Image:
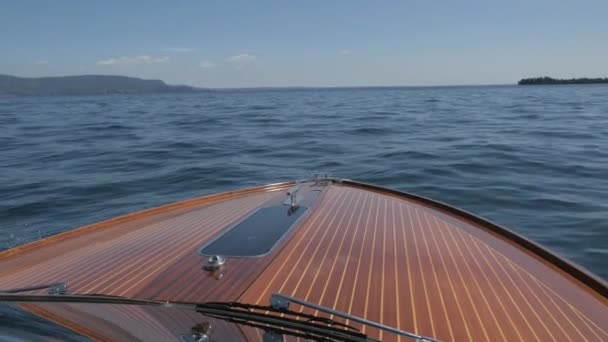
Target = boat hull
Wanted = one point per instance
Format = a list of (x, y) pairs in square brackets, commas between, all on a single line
[(391, 257)]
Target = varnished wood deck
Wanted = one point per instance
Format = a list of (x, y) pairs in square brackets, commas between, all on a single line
[(382, 256), (406, 265)]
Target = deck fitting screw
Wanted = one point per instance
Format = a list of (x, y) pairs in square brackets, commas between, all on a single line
[(215, 261)]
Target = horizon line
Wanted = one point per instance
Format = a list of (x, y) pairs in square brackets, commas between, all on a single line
[(357, 86), (261, 87)]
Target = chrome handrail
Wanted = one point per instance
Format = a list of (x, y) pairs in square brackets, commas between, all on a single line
[(281, 302)]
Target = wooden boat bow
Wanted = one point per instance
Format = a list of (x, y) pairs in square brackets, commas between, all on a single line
[(398, 259)]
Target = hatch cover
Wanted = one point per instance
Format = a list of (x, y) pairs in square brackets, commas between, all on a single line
[(257, 234)]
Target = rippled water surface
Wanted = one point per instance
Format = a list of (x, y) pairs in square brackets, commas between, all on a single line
[(534, 159)]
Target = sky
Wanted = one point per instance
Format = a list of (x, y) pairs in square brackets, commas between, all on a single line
[(307, 43)]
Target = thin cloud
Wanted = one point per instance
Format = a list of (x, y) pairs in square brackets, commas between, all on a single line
[(241, 60), (178, 49), (345, 52), (41, 62), (124, 60), (207, 64)]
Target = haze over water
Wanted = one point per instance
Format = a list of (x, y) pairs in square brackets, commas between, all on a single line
[(533, 159)]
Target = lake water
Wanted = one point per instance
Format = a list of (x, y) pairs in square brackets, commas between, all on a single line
[(534, 159)]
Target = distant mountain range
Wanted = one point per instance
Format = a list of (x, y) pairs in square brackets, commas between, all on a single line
[(549, 80), (86, 85)]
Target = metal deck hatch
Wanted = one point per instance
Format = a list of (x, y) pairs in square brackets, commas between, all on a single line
[(257, 234)]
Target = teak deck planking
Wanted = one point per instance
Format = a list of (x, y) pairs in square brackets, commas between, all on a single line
[(394, 259)]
